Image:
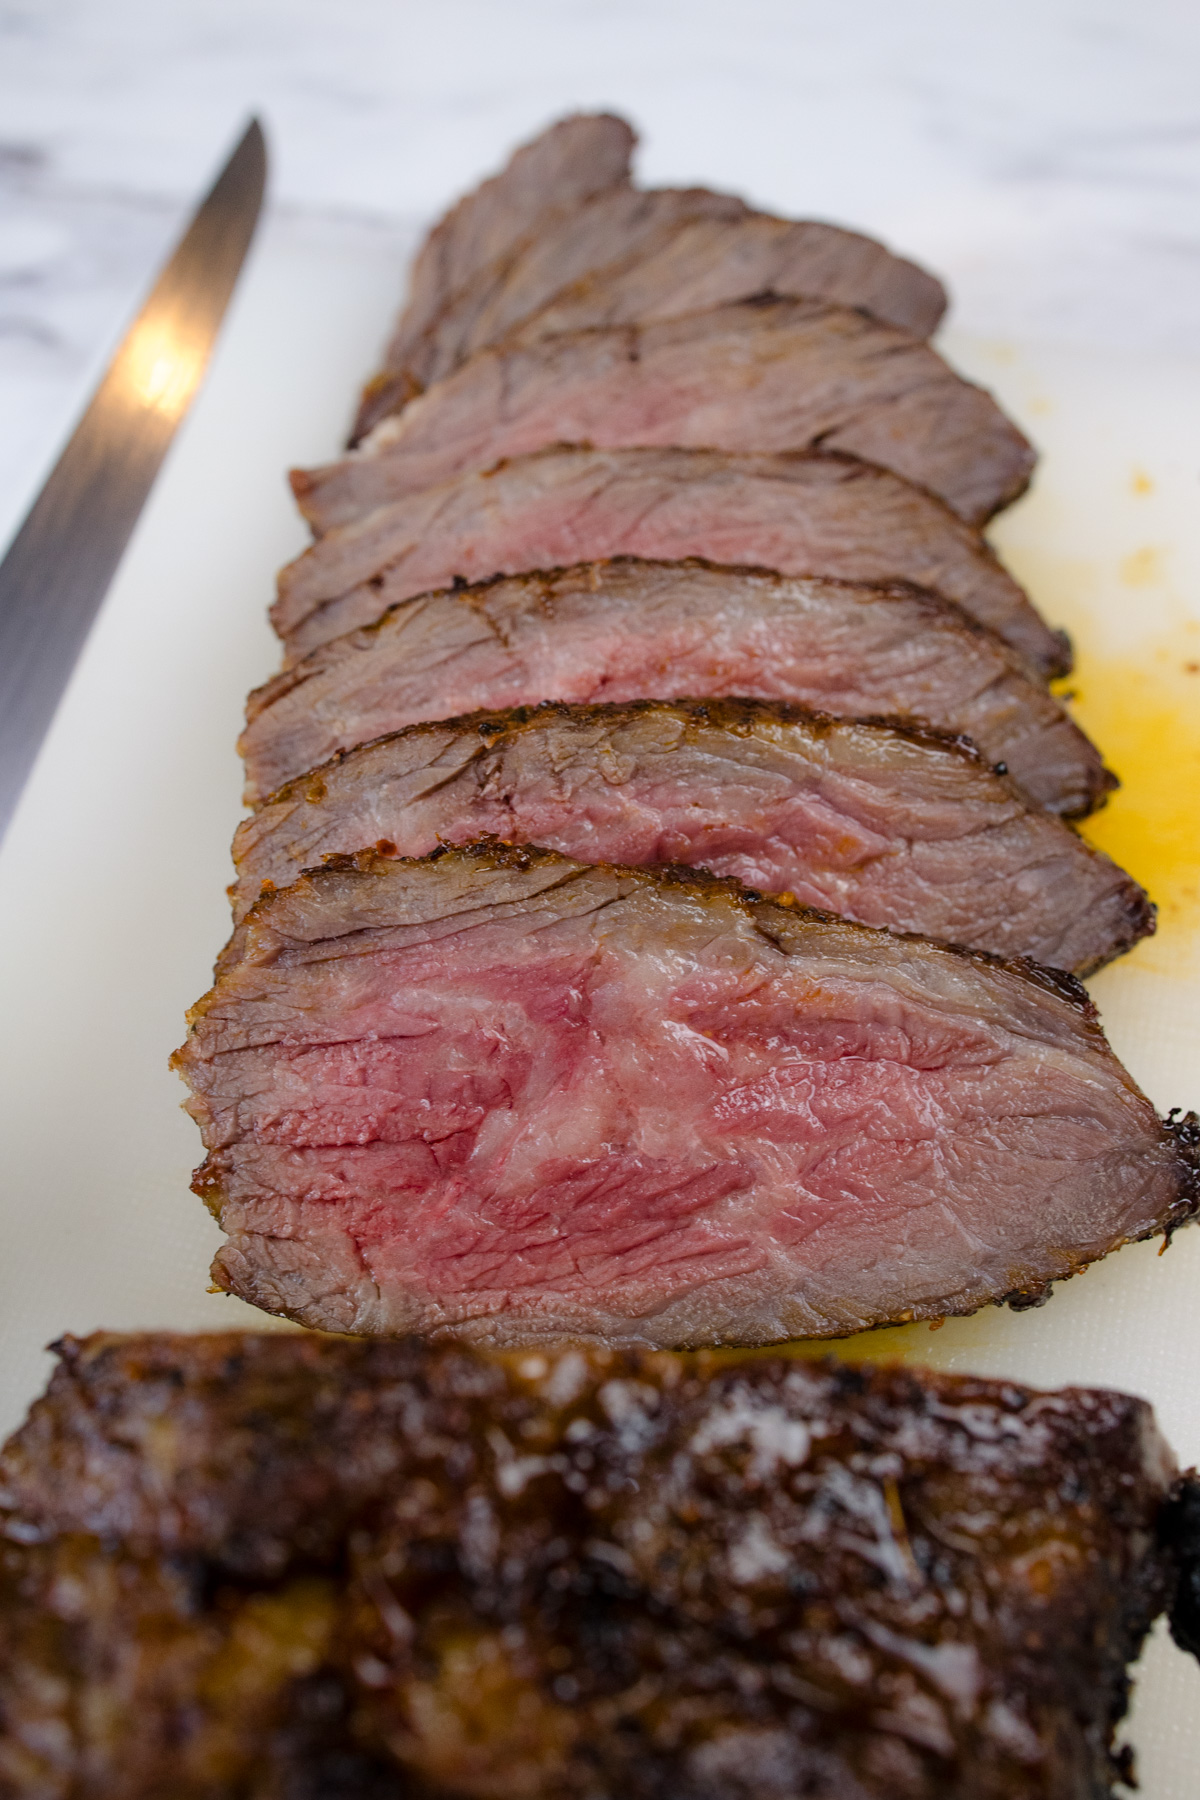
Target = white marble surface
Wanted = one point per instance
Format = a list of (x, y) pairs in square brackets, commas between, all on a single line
[(1044, 155)]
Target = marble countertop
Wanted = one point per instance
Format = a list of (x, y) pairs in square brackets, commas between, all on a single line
[(1044, 156)]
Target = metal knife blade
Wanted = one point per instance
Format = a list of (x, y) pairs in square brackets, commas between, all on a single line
[(62, 560)]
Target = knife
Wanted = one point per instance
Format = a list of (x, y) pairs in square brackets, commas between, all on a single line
[(62, 560)]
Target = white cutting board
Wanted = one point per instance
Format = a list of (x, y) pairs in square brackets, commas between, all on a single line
[(111, 881)]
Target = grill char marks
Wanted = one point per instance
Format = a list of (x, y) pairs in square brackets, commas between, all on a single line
[(632, 630), (612, 1576), (566, 166), (811, 514), (768, 376), (497, 1092), (888, 826)]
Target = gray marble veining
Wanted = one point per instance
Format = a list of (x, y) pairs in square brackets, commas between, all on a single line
[(1043, 156)]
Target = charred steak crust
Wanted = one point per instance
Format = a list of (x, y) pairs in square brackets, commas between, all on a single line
[(1179, 1531), (1184, 1129), (499, 1093), (770, 917), (577, 1573), (627, 628), (764, 376), (730, 712), (812, 513), (889, 824)]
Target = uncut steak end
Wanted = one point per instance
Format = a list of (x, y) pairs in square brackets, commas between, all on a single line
[(816, 513), (632, 630), (884, 824), (288, 1565), (497, 1092)]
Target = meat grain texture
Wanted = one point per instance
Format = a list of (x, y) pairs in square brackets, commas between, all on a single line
[(809, 514), (563, 224), (497, 1092), (688, 264), (282, 1565), (632, 630), (620, 224), (768, 375), (562, 169), (883, 824)]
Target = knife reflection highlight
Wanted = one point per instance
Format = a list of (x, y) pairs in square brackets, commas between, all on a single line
[(162, 370), (62, 560)]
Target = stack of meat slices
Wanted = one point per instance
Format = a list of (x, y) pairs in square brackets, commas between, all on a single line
[(653, 584)]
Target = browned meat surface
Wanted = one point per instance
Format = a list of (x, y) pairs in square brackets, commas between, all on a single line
[(813, 514), (629, 630), (498, 1092), (1181, 1528), (551, 177), (766, 375), (886, 825), (287, 1566)]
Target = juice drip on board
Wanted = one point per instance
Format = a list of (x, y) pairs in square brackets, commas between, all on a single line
[(1143, 709)]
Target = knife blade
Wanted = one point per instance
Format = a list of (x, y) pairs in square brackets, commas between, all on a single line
[(63, 559)]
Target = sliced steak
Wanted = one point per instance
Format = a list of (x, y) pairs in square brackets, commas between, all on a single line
[(631, 255), (621, 222), (552, 176), (697, 263), (880, 823), (324, 1568), (500, 1093), (811, 514), (766, 375), (630, 630)]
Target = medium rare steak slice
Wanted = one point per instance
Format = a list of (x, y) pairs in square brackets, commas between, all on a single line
[(552, 176), (303, 1566), (890, 826), (501, 1093), (631, 255), (629, 630), (812, 514), (766, 375)]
